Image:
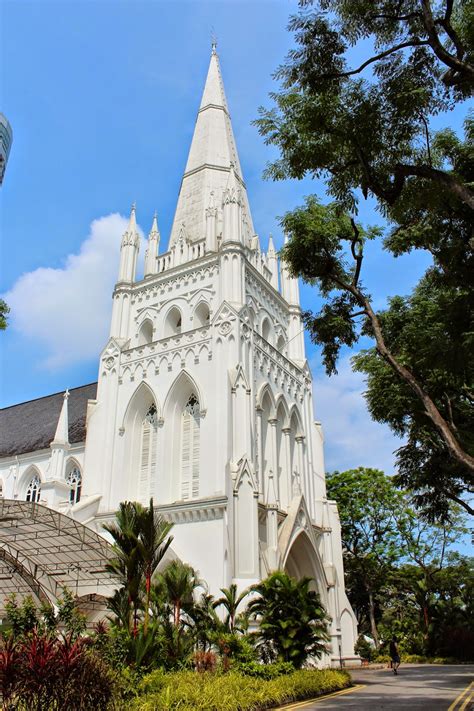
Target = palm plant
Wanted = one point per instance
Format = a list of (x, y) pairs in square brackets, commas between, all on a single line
[(178, 582), (152, 546), (292, 620), (139, 545), (175, 587), (127, 565), (231, 601)]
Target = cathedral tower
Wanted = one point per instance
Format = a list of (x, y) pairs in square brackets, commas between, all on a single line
[(204, 398)]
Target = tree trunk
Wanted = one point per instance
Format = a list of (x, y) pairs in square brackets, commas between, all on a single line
[(147, 601), (373, 626), (431, 410)]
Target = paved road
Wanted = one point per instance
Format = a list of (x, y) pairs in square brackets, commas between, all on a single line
[(429, 687)]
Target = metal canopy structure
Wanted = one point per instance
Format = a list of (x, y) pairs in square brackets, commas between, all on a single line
[(42, 551)]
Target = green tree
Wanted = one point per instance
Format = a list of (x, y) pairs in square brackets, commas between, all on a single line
[(127, 565), (292, 621), (139, 544), (153, 542), (372, 512), (173, 591), (230, 601), (395, 562), (366, 131), (4, 311)]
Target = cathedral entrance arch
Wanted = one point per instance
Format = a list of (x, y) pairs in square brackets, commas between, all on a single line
[(303, 561)]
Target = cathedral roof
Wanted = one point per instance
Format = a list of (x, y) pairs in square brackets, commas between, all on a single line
[(31, 425), (213, 150)]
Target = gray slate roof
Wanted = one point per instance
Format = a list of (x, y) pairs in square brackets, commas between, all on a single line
[(31, 425)]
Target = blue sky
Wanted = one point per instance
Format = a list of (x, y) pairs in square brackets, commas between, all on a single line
[(102, 97)]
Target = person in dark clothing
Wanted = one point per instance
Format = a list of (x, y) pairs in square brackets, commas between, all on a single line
[(394, 655)]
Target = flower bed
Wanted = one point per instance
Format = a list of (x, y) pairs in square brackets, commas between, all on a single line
[(234, 691)]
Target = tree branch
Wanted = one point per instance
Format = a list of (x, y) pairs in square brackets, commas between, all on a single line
[(430, 408), (364, 65), (464, 68), (358, 255), (403, 171)]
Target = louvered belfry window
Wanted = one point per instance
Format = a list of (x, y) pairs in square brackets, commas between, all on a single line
[(148, 455), (190, 450)]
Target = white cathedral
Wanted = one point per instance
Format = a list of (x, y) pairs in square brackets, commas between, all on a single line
[(203, 402)]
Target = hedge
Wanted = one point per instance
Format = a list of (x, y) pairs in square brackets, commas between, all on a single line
[(191, 691)]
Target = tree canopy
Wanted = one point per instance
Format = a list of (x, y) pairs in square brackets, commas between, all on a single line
[(401, 572), (366, 130)]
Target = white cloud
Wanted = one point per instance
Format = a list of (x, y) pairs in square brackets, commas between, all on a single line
[(352, 438), (66, 311)]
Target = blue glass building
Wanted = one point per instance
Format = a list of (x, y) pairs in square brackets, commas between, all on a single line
[(6, 138)]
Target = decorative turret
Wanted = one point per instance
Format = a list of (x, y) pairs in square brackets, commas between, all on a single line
[(151, 254), (289, 285), (129, 250), (62, 429), (272, 263), (291, 293)]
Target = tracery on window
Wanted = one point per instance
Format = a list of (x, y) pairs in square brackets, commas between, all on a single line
[(33, 491), (148, 453), (74, 480), (151, 415)]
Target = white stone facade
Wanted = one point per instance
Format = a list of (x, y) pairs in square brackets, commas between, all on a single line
[(204, 396)]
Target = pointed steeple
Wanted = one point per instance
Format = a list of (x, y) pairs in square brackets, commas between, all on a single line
[(151, 254), (272, 262), (211, 153), (62, 429), (289, 285), (129, 249)]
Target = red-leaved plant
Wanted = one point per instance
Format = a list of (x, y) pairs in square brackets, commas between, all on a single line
[(41, 672)]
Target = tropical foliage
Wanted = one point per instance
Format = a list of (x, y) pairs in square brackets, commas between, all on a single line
[(402, 575), (188, 691), (292, 621)]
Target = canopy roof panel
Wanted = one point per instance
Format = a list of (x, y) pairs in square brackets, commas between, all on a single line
[(42, 551)]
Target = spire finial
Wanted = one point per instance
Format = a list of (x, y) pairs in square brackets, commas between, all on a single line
[(154, 224), (213, 41)]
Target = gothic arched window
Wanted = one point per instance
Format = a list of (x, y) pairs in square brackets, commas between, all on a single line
[(74, 480), (34, 489), (148, 453), (190, 449)]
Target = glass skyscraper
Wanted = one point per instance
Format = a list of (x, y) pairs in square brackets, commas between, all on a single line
[(6, 138)]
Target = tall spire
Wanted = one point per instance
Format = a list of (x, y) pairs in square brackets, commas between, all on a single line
[(211, 154)]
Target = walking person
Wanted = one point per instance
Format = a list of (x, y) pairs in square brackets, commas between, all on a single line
[(394, 654)]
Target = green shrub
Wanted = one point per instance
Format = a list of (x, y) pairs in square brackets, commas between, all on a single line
[(189, 691), (381, 658), (265, 671), (364, 648), (414, 659)]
